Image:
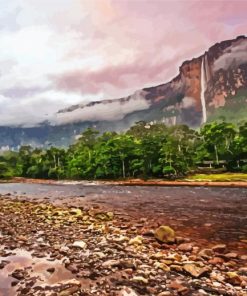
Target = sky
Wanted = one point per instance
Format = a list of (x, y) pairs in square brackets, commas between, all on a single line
[(57, 53)]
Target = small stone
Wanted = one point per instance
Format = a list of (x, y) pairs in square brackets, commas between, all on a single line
[(206, 253), (194, 270), (165, 234), (14, 283), (177, 268), (243, 257), (216, 260), (186, 247), (140, 279), (79, 244), (76, 212), (165, 293), (233, 278), (111, 263), (127, 292), (136, 240), (51, 269), (18, 274), (231, 255), (219, 248), (162, 266)]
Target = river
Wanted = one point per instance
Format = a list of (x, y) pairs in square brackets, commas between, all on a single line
[(205, 213)]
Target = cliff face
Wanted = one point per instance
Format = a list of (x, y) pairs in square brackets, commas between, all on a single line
[(208, 82), (204, 84), (211, 86)]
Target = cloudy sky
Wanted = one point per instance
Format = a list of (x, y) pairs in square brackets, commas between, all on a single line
[(56, 53)]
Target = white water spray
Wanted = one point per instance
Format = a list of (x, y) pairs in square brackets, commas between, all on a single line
[(203, 88)]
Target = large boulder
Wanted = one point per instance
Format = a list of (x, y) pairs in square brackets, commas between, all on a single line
[(165, 234)]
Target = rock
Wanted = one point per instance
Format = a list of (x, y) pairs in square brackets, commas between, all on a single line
[(179, 287), (50, 269), (18, 274), (216, 260), (140, 279), (243, 257), (136, 240), (3, 264), (111, 263), (233, 278), (76, 212), (219, 248), (162, 266), (79, 244), (231, 255), (127, 292), (110, 215), (14, 283), (194, 270), (177, 268), (165, 234), (206, 253), (186, 247), (165, 293)]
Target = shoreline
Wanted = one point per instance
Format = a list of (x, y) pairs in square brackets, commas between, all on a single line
[(132, 182)]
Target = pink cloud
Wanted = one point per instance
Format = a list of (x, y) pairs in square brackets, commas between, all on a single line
[(160, 34)]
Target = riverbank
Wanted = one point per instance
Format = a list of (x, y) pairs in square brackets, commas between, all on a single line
[(65, 250), (205, 180)]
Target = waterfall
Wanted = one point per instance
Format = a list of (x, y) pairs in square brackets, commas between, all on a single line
[(203, 88)]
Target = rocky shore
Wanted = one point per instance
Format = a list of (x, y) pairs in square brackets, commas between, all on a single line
[(67, 250)]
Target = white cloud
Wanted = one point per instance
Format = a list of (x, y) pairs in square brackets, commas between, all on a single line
[(233, 56), (105, 110)]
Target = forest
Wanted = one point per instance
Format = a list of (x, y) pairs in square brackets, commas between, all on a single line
[(144, 151)]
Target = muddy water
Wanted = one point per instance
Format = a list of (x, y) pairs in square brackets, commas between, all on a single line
[(208, 214)]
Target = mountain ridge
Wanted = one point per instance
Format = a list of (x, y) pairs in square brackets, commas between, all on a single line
[(214, 82)]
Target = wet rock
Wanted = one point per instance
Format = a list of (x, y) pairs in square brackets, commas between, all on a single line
[(18, 274), (165, 234), (3, 263), (194, 270), (51, 269), (14, 283)]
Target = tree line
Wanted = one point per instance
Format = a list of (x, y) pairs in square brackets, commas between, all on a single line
[(145, 150)]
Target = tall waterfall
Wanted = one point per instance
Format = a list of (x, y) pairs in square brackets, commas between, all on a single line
[(203, 88)]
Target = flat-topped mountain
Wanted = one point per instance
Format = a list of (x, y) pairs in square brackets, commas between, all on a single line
[(208, 87)]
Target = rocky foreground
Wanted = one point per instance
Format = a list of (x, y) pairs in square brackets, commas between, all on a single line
[(51, 250)]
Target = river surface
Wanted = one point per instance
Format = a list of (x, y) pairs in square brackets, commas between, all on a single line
[(208, 214)]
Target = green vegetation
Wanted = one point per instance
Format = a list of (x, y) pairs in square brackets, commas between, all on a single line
[(223, 177), (145, 150)]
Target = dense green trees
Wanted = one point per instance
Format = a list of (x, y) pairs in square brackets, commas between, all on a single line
[(145, 150)]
